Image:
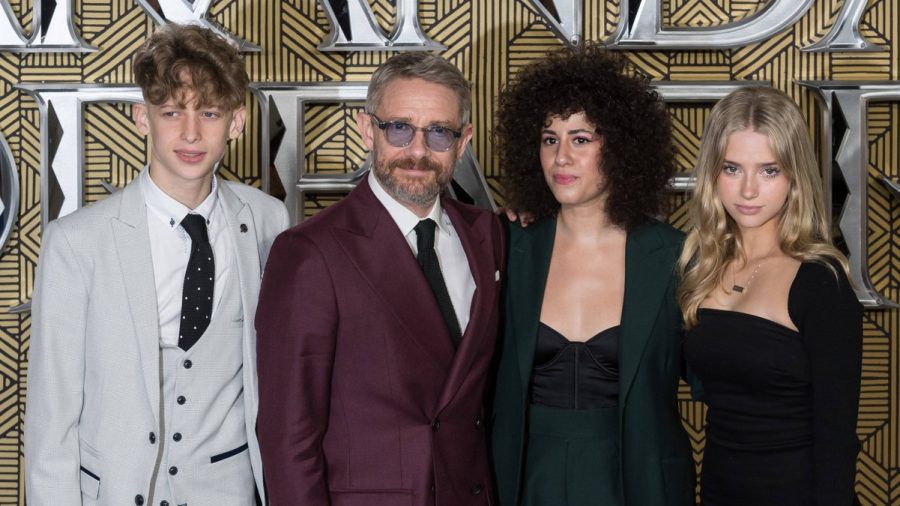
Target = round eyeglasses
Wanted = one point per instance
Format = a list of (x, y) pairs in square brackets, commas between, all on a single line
[(400, 134)]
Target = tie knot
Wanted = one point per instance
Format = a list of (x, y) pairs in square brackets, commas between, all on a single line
[(425, 235), (195, 226)]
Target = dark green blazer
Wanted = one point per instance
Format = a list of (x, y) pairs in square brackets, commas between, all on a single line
[(655, 452)]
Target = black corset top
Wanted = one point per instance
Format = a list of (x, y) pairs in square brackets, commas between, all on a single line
[(576, 375)]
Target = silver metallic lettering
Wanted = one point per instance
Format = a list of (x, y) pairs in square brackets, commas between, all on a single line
[(645, 29), (62, 139), (354, 28), (59, 36), (844, 34), (846, 103), (566, 21), (197, 12)]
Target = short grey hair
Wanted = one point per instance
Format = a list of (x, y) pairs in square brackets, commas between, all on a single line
[(420, 65)]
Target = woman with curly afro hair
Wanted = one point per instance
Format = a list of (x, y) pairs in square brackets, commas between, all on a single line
[(585, 407)]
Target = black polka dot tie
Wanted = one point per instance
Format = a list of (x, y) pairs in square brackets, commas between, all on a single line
[(197, 296)]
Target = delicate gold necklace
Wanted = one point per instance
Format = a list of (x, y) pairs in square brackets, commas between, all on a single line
[(742, 288)]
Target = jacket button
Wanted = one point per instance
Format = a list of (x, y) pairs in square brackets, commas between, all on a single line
[(139, 499), (478, 422), (176, 437), (164, 503), (435, 425), (476, 489), (432, 490), (152, 438), (180, 400), (173, 470), (188, 364)]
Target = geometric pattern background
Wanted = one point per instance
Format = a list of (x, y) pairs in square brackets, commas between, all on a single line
[(489, 40)]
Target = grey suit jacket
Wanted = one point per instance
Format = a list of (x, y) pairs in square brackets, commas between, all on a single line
[(93, 381)]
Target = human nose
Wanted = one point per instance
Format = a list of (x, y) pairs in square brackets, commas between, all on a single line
[(417, 147), (749, 187), (563, 154), (190, 131)]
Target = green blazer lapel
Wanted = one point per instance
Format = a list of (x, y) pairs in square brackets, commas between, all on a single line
[(529, 261), (649, 264)]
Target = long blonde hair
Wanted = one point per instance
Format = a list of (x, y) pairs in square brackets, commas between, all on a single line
[(714, 239)]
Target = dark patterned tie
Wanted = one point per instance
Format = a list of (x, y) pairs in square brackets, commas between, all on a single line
[(197, 296), (429, 262)]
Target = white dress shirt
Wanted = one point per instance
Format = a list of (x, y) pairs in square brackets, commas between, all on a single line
[(449, 249), (170, 248)]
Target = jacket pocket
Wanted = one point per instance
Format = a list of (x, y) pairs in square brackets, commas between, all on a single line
[(227, 455), (368, 497), (90, 467), (90, 483)]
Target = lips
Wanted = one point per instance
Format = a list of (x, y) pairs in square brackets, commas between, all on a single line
[(564, 179), (189, 156), (748, 210)]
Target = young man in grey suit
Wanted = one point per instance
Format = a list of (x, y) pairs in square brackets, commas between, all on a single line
[(142, 382)]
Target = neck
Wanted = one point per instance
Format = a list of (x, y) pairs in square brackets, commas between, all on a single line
[(421, 212), (759, 243), (190, 193), (584, 223)]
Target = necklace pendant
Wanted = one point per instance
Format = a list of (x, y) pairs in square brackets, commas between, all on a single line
[(738, 288)]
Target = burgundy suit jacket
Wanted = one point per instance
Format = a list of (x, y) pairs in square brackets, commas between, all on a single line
[(363, 400)]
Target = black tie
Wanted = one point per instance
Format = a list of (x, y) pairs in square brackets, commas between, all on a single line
[(197, 297), (429, 262)]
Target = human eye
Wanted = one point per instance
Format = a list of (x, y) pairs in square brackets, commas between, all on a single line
[(211, 114), (582, 140), (771, 171), (399, 126), (729, 169), (549, 140)]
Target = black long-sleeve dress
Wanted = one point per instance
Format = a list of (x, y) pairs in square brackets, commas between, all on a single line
[(781, 425)]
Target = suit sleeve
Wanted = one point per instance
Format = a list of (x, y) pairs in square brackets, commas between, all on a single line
[(55, 375), (296, 324), (831, 325)]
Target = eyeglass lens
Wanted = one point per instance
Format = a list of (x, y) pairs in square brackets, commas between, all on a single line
[(437, 138)]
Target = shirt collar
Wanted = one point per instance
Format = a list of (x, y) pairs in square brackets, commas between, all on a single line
[(405, 219), (170, 209)]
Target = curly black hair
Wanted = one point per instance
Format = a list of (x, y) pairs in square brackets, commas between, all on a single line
[(637, 157)]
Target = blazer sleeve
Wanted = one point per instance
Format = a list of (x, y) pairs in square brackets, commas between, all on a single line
[(55, 374), (296, 325), (829, 318)]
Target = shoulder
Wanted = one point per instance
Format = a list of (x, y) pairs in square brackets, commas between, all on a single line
[(90, 220), (669, 235), (816, 276), (821, 287), (256, 198)]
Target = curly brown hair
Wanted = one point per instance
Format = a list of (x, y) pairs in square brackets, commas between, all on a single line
[(637, 158), (178, 59)]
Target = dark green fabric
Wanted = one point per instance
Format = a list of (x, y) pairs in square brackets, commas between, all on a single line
[(572, 457), (655, 462)]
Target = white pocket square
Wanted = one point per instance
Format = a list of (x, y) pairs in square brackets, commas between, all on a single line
[(496, 275)]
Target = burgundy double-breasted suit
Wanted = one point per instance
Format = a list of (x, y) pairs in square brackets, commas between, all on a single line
[(363, 399)]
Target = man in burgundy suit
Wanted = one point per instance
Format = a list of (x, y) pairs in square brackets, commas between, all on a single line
[(377, 318)]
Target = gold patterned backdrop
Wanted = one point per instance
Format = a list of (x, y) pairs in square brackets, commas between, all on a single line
[(488, 40)]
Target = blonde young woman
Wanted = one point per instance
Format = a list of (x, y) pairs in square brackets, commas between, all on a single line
[(774, 326)]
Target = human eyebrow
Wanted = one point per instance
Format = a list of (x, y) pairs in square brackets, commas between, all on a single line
[(578, 131)]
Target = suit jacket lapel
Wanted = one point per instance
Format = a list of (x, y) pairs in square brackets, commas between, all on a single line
[(529, 261), (648, 271), (473, 228), (383, 258), (132, 242), (241, 230)]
